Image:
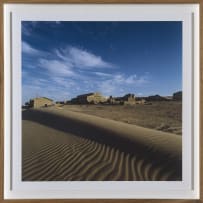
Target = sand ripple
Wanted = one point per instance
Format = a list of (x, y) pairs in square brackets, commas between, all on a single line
[(100, 150), (89, 160)]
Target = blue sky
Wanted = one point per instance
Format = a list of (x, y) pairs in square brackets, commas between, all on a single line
[(61, 60)]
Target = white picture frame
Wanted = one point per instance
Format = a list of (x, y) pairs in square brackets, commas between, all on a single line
[(14, 188)]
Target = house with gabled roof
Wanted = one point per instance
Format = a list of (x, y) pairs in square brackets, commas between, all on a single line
[(41, 102)]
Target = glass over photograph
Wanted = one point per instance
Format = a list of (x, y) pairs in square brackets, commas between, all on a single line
[(101, 100)]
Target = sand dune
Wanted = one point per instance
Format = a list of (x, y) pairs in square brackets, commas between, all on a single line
[(96, 149)]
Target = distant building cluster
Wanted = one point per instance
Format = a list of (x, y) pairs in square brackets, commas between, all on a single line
[(90, 98), (128, 99), (97, 98)]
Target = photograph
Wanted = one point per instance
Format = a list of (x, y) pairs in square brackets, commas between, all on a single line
[(101, 100)]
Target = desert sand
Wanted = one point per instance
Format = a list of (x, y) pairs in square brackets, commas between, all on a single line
[(63, 145), (164, 115)]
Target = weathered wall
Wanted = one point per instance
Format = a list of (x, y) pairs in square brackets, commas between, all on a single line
[(41, 102)]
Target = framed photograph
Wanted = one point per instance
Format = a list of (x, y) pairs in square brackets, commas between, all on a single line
[(100, 101)]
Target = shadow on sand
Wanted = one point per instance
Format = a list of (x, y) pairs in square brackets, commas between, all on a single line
[(168, 162)]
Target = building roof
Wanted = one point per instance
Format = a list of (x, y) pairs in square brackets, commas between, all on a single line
[(43, 98)]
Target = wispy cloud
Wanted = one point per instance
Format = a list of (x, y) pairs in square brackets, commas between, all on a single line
[(82, 58), (120, 83), (73, 71), (65, 62), (56, 67), (64, 82), (134, 80), (28, 49), (101, 74)]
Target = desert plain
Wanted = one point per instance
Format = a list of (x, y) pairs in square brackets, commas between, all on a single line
[(103, 142)]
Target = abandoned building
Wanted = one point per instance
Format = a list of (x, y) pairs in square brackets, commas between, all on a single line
[(40, 102), (140, 101), (177, 96), (128, 99), (90, 98), (156, 98), (114, 100)]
